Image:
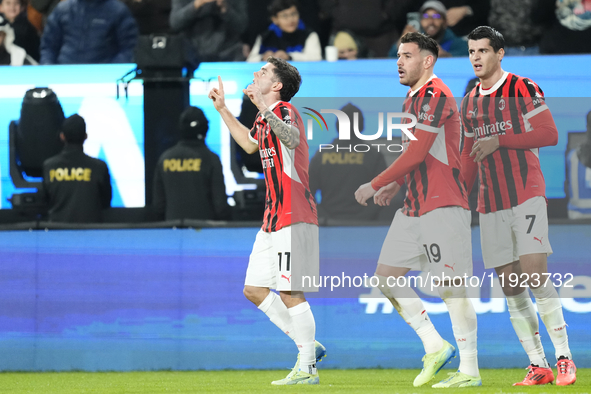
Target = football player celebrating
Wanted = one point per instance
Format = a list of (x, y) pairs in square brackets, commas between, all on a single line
[(506, 121)]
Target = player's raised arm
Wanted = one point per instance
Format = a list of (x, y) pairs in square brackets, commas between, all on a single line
[(238, 130), (288, 134)]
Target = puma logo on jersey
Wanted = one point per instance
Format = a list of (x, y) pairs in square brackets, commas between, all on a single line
[(286, 278), (451, 267), (539, 240), (474, 113)]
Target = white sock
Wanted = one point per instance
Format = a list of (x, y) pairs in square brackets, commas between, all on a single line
[(463, 321), (411, 308), (526, 326), (550, 310), (305, 331), (278, 313)]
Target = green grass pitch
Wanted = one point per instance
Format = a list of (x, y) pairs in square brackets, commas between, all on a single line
[(331, 381)]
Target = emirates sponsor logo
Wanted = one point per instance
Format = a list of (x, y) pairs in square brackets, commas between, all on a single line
[(497, 128)]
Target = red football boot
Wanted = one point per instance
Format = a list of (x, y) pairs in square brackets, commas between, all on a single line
[(536, 375), (567, 372)]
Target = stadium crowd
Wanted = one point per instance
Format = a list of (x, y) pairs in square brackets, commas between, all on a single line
[(106, 31)]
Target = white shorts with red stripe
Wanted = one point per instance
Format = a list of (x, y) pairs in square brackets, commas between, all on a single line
[(282, 259), (438, 242), (505, 235)]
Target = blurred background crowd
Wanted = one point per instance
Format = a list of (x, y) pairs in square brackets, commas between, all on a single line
[(107, 31)]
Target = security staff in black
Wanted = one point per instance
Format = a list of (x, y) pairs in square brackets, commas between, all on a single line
[(77, 186), (188, 181)]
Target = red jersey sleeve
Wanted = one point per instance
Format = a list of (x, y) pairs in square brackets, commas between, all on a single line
[(287, 113), (469, 166), (531, 98), (414, 155), (544, 133), (543, 130), (433, 109), (253, 134)]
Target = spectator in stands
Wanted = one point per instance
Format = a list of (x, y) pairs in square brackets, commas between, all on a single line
[(10, 53), (578, 166), (257, 24), (25, 34), (463, 16), (375, 22), (337, 174), (45, 8), (188, 181), (348, 46), (287, 37), (89, 31), (567, 26), (213, 28), (152, 16), (434, 24), (77, 186), (513, 19)]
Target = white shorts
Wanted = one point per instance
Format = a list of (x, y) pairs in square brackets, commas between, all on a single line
[(282, 259), (505, 235), (438, 242)]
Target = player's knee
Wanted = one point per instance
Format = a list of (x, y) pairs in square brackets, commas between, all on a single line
[(513, 291), (386, 285), (254, 294), (452, 293), (292, 298)]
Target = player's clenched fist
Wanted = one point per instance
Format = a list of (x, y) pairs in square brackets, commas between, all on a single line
[(365, 192), (256, 96), (386, 194)]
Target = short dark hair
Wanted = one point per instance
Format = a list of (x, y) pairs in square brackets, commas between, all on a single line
[(424, 42), (288, 75), (496, 39), (74, 129), (279, 5), (193, 124)]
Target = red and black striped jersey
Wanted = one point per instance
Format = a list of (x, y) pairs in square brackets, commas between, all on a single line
[(437, 181), (508, 177), (288, 199)]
